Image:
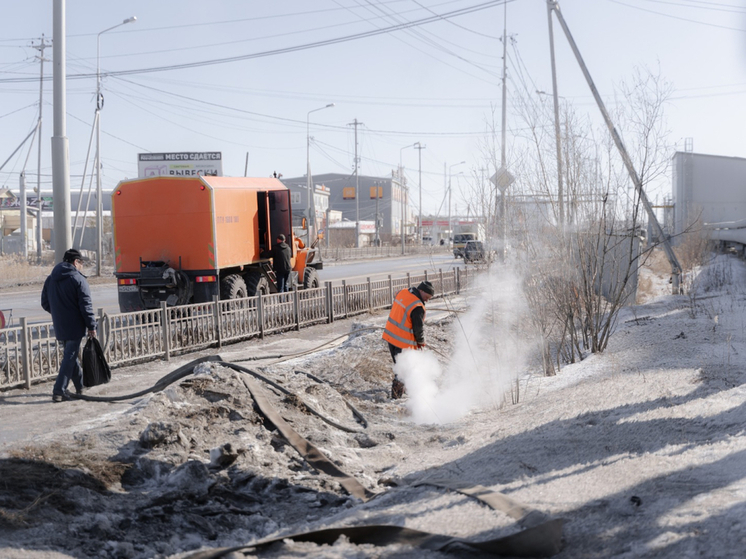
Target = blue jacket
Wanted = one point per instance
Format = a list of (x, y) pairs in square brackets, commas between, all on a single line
[(67, 296)]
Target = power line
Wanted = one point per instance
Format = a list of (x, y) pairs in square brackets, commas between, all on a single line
[(677, 17), (286, 50), (722, 8)]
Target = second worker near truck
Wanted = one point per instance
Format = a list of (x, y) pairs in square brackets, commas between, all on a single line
[(405, 327), (281, 255)]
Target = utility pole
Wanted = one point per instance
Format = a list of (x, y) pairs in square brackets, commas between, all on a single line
[(355, 123), (450, 234), (378, 238), (550, 8), (503, 221), (40, 47), (311, 229), (99, 191), (60, 145), (450, 227), (24, 209), (402, 204), (419, 147), (445, 187), (672, 259), (505, 76)]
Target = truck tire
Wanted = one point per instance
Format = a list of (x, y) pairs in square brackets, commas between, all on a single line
[(310, 279), (233, 287), (256, 283)]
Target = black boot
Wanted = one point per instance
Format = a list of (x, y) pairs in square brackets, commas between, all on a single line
[(397, 389)]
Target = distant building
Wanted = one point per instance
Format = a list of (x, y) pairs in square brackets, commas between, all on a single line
[(299, 202), (382, 195), (709, 189)]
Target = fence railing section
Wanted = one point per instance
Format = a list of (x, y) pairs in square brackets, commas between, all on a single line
[(30, 353)]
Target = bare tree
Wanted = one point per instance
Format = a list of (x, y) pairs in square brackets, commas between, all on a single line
[(586, 269)]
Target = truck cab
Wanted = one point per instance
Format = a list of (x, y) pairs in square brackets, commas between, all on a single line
[(459, 243)]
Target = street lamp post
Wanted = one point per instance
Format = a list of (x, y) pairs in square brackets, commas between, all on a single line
[(311, 223), (419, 148), (99, 106), (403, 197), (450, 229)]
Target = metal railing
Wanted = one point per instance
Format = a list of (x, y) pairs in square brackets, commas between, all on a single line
[(29, 352)]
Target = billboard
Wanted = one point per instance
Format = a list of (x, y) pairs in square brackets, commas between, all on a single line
[(180, 164), (31, 200)]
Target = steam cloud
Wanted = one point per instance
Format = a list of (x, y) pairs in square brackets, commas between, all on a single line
[(490, 351)]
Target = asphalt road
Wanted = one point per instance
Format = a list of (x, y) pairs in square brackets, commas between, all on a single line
[(26, 301)]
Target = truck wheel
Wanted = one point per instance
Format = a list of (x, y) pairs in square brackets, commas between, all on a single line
[(233, 287), (256, 283), (310, 278)]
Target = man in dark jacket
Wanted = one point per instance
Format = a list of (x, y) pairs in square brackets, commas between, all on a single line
[(281, 254), (67, 297)]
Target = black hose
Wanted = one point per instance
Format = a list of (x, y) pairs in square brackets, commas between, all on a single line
[(359, 416), (285, 357), (188, 369), (260, 357), (162, 383), (285, 391)]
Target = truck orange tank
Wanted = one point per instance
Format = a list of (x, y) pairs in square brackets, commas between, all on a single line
[(187, 239)]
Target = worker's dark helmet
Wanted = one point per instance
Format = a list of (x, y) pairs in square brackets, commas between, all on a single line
[(426, 287), (281, 237), (72, 255)]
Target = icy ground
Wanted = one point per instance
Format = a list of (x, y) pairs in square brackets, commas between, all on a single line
[(640, 449)]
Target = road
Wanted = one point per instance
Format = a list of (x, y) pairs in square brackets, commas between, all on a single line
[(25, 301)]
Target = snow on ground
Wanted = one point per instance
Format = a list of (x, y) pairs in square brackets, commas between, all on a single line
[(640, 449)]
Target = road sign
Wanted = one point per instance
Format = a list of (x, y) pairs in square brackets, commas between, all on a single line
[(502, 179)]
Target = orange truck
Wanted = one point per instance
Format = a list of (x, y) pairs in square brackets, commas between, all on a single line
[(186, 240)]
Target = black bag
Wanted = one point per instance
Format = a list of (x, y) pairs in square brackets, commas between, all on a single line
[(95, 369)]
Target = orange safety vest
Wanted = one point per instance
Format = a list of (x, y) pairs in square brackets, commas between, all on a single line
[(398, 331)]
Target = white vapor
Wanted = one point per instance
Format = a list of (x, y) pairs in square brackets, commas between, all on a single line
[(490, 350)]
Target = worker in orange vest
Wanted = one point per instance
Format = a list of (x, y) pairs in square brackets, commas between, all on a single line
[(405, 328)]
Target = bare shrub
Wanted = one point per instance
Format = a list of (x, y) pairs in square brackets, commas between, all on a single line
[(14, 270), (694, 248)]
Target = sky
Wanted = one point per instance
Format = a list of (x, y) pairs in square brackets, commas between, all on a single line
[(241, 77)]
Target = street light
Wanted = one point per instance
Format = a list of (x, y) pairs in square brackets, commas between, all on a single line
[(403, 198), (309, 181), (99, 106), (450, 229)]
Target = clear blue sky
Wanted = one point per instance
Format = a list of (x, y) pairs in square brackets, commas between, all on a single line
[(433, 83)]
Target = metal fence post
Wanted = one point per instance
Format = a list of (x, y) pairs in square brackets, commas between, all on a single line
[(457, 279), (329, 303), (296, 309), (260, 313), (440, 273), (391, 291), (217, 319), (103, 332), (426, 278), (344, 298), (165, 330), (25, 361), (409, 280), (370, 296)]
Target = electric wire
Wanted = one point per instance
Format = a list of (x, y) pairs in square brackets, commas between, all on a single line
[(285, 50), (677, 17)]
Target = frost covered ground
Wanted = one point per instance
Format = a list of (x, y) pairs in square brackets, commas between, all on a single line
[(641, 449)]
